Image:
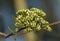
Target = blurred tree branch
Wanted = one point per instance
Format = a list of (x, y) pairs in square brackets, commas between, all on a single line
[(8, 35), (3, 34)]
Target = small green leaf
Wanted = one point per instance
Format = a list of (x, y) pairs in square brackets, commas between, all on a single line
[(12, 30)]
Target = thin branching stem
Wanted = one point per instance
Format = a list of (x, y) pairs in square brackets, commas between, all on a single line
[(54, 23), (8, 35), (3, 34)]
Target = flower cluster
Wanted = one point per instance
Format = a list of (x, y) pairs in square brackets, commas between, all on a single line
[(32, 19)]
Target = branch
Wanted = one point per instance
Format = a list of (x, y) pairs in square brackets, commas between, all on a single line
[(17, 32), (3, 34), (54, 23), (8, 35)]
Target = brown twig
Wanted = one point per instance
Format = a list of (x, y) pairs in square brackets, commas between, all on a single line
[(3, 34), (17, 32), (8, 35), (54, 23)]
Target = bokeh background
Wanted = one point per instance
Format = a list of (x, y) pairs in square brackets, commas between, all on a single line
[(8, 9)]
